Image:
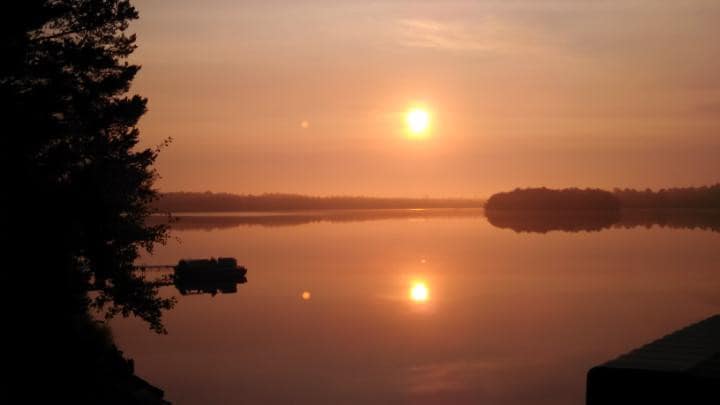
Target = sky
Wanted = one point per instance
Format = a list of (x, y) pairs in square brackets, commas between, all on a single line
[(310, 96)]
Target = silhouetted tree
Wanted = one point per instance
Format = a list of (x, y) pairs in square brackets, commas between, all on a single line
[(702, 198), (78, 186), (707, 197), (548, 199)]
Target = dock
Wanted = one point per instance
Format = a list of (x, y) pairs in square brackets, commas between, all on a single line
[(200, 276), (682, 368)]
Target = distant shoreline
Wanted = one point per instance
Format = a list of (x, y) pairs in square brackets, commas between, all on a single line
[(218, 220), (533, 221), (539, 198), (592, 199)]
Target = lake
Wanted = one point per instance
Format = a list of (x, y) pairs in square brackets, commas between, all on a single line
[(418, 307)]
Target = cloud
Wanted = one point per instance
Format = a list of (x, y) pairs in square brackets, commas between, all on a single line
[(488, 35)]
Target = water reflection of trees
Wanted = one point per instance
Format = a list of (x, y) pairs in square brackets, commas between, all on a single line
[(517, 220), (210, 222), (546, 221), (590, 221), (226, 202)]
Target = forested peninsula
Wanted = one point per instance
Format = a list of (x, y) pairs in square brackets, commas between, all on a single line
[(707, 197)]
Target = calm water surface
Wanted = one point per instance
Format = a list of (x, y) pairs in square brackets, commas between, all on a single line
[(399, 308)]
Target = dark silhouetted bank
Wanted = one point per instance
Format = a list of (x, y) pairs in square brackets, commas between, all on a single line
[(572, 210), (548, 199), (707, 197)]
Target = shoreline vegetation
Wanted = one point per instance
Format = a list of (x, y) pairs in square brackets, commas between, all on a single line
[(593, 199), (534, 221), (538, 198), (542, 210), (538, 210), (226, 202)]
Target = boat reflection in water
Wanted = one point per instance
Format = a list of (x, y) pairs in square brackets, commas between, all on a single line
[(188, 287)]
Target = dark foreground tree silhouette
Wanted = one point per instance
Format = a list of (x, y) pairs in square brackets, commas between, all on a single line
[(72, 154), (77, 187)]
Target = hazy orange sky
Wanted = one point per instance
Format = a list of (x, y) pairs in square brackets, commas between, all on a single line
[(521, 93)]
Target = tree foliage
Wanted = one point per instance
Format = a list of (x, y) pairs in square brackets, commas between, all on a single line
[(548, 199), (79, 185), (706, 197)]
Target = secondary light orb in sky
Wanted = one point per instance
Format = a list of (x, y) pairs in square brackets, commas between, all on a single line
[(418, 121), (419, 292)]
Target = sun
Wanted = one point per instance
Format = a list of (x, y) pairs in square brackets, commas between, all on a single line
[(419, 292), (418, 121)]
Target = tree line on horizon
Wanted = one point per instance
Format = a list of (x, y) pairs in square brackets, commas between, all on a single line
[(218, 202), (706, 197)]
